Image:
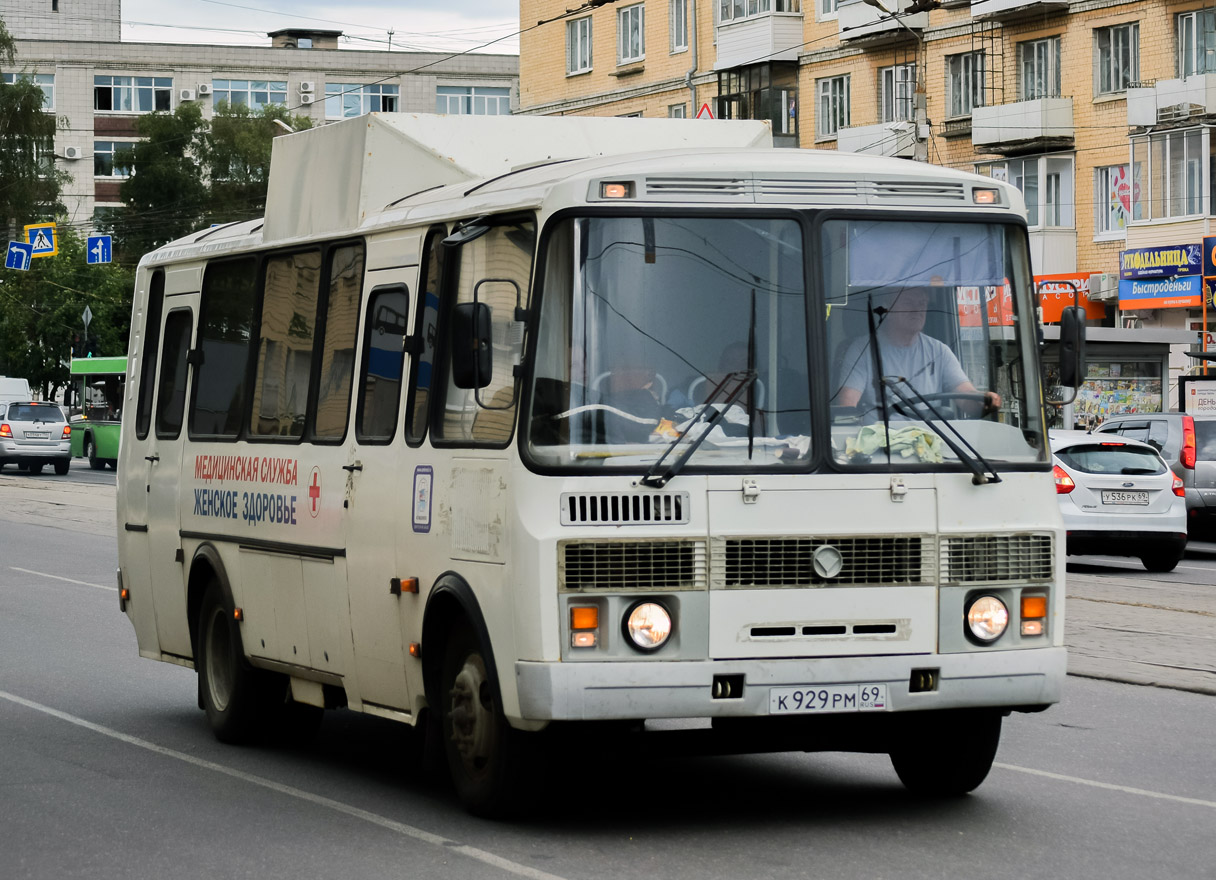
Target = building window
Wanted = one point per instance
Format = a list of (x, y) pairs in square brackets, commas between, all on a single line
[(898, 89), (346, 100), (1046, 183), (44, 81), (677, 111), (578, 45), (132, 94), (678, 25), (103, 159), (1197, 42), (1167, 174), (1039, 65), (734, 10), (1118, 57), (832, 113), (254, 94), (762, 91), (827, 9), (1112, 198), (304, 42), (473, 100), (631, 34), (965, 82)]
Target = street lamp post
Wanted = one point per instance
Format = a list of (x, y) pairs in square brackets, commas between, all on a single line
[(920, 118)]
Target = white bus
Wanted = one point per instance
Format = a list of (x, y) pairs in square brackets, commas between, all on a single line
[(497, 423)]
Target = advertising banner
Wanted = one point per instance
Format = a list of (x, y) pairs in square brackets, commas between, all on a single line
[(1164, 293), (972, 302), (1161, 262), (1055, 294)]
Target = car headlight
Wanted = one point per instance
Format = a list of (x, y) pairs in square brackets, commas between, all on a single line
[(648, 625), (987, 618)]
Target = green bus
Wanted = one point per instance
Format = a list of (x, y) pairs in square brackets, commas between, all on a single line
[(100, 384)]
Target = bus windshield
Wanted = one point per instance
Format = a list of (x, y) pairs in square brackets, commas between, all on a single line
[(657, 330)]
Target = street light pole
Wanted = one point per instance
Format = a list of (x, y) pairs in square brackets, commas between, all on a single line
[(920, 118)]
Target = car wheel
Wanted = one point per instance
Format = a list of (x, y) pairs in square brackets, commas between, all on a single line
[(35, 469), (482, 748), (946, 754), (1160, 562), (227, 684), (90, 452), (61, 466)]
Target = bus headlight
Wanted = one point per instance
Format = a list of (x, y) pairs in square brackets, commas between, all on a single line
[(987, 618), (648, 625)]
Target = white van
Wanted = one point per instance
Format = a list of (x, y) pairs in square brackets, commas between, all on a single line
[(14, 389)]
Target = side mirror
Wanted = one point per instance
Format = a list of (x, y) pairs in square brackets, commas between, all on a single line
[(1072, 347), (472, 354)]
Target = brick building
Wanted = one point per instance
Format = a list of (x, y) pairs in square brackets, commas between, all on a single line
[(1054, 96), (98, 86)]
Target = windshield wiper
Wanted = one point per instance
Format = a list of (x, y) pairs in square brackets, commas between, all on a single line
[(972, 460), (657, 477)]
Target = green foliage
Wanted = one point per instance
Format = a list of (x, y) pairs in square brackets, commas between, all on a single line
[(40, 312)]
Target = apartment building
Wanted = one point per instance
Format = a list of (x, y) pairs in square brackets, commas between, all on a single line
[(98, 86)]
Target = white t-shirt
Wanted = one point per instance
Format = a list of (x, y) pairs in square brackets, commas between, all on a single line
[(928, 365)]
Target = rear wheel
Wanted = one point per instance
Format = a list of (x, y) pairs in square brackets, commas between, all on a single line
[(90, 452), (1160, 562), (483, 750), (61, 466), (947, 754)]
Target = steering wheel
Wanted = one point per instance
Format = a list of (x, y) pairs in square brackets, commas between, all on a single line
[(916, 410)]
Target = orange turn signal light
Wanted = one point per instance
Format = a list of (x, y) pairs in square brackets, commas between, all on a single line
[(415, 649), (1034, 607), (616, 190), (124, 594), (584, 617), (984, 196), (238, 614)]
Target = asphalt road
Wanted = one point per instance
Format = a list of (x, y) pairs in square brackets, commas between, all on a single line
[(108, 768)]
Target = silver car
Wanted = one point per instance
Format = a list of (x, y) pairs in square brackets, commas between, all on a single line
[(33, 435), (1118, 498)]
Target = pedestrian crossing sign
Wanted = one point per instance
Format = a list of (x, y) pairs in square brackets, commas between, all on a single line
[(42, 238)]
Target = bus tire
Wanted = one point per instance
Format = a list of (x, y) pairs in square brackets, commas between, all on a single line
[(483, 750), (90, 452), (61, 466), (228, 685), (947, 754)]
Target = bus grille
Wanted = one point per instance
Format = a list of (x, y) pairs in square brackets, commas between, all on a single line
[(632, 565), (912, 191), (789, 562), (624, 508), (978, 558)]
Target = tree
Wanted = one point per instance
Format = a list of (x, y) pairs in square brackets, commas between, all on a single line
[(30, 189), (40, 313), (165, 196), (236, 156)]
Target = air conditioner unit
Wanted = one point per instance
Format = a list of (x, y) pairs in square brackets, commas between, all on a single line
[(71, 152), (1103, 287), (306, 99), (308, 86), (186, 95), (204, 89)]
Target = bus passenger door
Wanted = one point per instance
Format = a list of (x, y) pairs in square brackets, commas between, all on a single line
[(163, 469), (374, 499)]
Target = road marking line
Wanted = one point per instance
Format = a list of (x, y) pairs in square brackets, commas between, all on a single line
[(69, 580), (1107, 785), (419, 834)]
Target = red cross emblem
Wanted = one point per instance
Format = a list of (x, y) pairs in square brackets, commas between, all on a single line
[(314, 492)]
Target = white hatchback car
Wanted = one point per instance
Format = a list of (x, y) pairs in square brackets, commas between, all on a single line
[(1119, 499)]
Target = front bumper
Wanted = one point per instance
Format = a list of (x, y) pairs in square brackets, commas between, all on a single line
[(1030, 678)]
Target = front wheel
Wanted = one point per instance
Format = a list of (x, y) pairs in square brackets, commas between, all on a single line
[(483, 750), (61, 466), (946, 754), (229, 687)]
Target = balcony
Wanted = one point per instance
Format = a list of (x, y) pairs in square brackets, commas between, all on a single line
[(1009, 9), (1170, 100), (857, 19), (1053, 251), (772, 36), (1044, 123), (885, 139)]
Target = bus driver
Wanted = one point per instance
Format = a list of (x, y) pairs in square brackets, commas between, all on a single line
[(925, 363)]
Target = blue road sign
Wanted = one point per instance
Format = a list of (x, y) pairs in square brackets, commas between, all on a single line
[(42, 237), (99, 249), (18, 255)]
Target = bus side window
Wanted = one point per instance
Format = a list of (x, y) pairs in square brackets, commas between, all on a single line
[(494, 269), (285, 344), (426, 323), (226, 325), (340, 331), (383, 361), (171, 402), (151, 344)]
